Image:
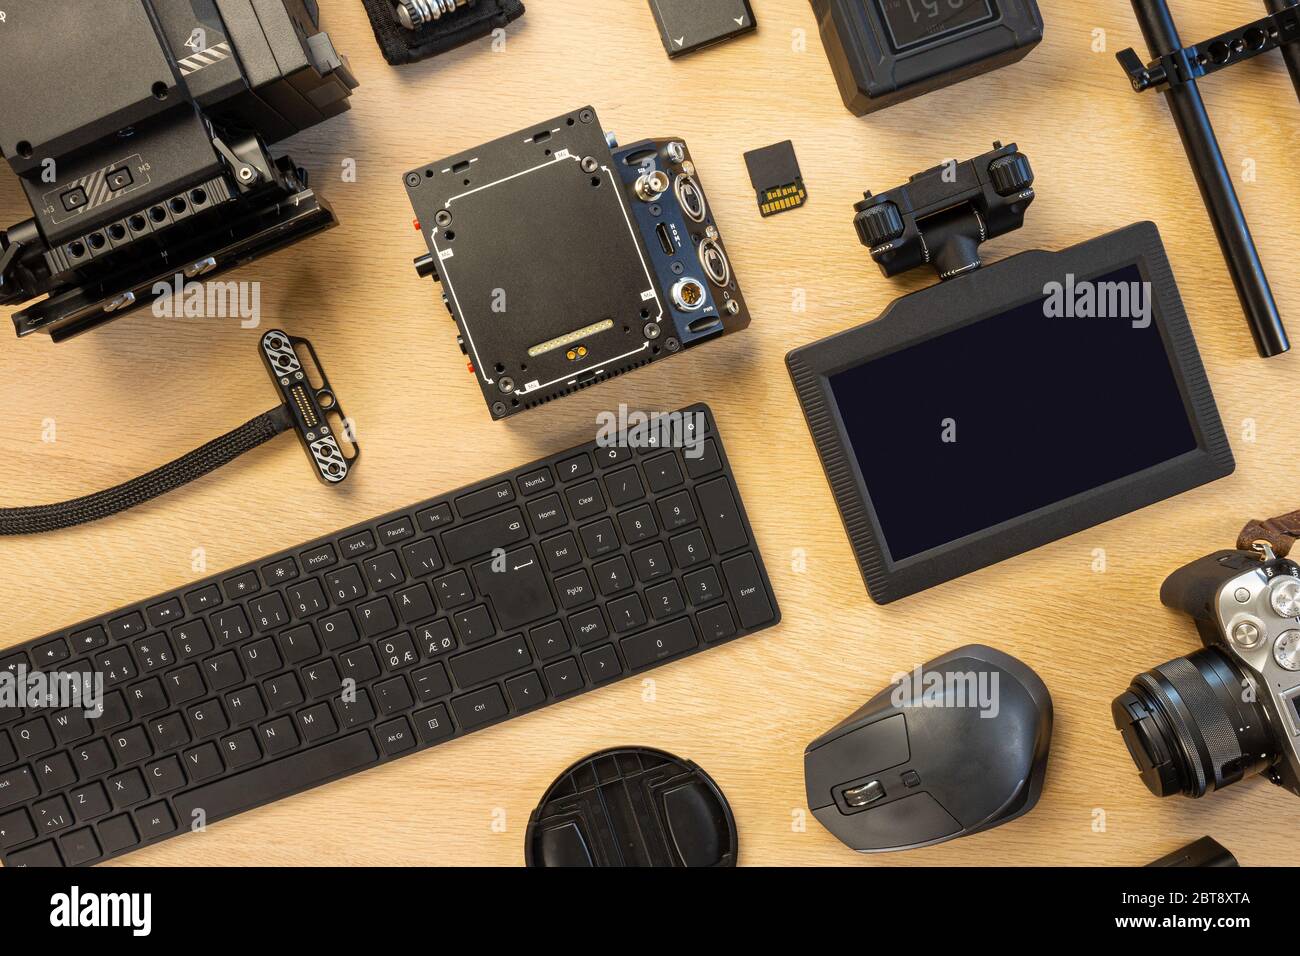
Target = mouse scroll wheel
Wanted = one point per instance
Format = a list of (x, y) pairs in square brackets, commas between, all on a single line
[(865, 794)]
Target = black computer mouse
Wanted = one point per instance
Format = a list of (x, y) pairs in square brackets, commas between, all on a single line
[(957, 746)]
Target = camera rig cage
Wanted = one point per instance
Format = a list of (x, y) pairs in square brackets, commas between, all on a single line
[(566, 260), (140, 134)]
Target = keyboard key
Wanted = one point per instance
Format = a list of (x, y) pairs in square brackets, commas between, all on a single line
[(383, 571), (33, 737), (608, 456), (662, 472), (280, 572), (574, 467), (154, 821), (88, 639), (16, 786), (563, 678), (602, 664), (549, 641), (677, 511), (490, 662), (664, 600), (479, 707), (415, 603), (575, 590), (547, 514), (203, 599), (474, 625), (153, 653), (626, 613), (482, 536), (561, 552), (79, 847), (651, 563), (268, 612), (584, 500), (345, 585), (50, 653), (431, 682), (702, 586), (42, 854), (299, 644), (117, 834), (485, 499), (51, 815), (317, 723), (746, 587), (321, 556), (393, 695), (433, 724), (204, 762), (716, 623), (536, 481), (624, 487), (338, 630), (128, 625), (704, 463), (432, 519), (165, 775), (306, 598), (525, 691), (360, 665), (230, 625), (613, 576), (598, 538), (659, 643), (241, 585), (16, 828), (453, 590), (376, 617), (278, 736), (638, 524), (398, 652), (588, 626), (127, 789), (89, 802), (395, 736), (721, 515), (165, 613), (422, 558), (516, 587), (355, 545), (396, 532), (435, 638), (239, 750), (689, 548), (191, 639)]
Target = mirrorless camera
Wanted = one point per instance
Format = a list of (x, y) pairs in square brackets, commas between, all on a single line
[(1231, 709), (140, 132)]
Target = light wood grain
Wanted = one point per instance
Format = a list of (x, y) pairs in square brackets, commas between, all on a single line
[(142, 390)]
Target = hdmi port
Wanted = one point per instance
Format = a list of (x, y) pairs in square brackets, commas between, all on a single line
[(665, 239)]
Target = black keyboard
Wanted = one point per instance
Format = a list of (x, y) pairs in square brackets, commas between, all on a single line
[(377, 642)]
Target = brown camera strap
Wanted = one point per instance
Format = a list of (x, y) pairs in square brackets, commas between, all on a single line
[(1281, 532)]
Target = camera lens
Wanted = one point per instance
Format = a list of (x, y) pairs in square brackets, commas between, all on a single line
[(1192, 725)]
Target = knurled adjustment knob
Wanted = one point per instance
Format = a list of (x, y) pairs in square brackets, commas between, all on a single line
[(1011, 173), (880, 223)]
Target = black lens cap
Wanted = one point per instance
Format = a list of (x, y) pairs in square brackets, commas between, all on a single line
[(632, 806)]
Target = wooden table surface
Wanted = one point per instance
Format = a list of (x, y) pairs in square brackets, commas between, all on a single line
[(107, 406)]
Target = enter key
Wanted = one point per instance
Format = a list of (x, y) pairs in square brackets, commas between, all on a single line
[(515, 584)]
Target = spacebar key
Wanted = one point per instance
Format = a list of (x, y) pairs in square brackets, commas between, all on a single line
[(271, 781)]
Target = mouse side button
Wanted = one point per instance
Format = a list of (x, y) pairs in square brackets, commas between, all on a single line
[(912, 821), (851, 755)]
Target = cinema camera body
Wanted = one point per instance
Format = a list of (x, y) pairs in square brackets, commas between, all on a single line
[(1230, 710), (140, 131)]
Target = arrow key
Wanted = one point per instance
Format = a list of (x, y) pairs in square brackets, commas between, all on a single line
[(602, 664), (526, 691)]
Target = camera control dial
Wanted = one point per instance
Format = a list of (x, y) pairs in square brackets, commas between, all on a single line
[(1284, 597), (1286, 651)]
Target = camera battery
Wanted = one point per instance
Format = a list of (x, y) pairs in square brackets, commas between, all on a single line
[(689, 25)]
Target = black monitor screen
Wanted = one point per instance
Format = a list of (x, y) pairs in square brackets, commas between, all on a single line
[(998, 418), (912, 21)]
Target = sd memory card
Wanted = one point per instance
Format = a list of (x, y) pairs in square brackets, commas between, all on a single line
[(774, 172), (688, 25)]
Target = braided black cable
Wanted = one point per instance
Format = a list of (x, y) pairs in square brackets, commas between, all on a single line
[(39, 519)]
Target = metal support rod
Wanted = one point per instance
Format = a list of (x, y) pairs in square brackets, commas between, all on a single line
[(1216, 186)]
